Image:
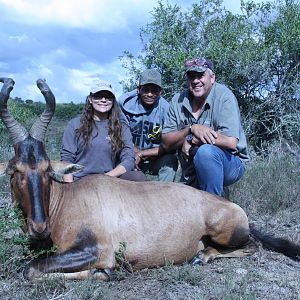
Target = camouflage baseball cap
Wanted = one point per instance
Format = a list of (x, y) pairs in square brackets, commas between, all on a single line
[(200, 65), (150, 76)]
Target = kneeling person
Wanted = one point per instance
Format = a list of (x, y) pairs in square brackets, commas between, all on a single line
[(145, 110), (204, 123)]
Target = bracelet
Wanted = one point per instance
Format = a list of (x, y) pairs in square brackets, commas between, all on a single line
[(190, 129)]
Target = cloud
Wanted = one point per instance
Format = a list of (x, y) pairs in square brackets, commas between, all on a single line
[(70, 43), (101, 16), (52, 42), (67, 84)]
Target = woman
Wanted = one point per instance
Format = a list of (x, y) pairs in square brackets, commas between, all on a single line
[(100, 140)]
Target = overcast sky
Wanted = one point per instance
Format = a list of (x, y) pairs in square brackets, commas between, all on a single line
[(71, 42)]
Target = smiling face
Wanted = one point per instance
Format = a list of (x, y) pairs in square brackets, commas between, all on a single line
[(102, 103), (200, 84), (149, 94)]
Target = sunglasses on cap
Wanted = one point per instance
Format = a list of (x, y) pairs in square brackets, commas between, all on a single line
[(199, 62)]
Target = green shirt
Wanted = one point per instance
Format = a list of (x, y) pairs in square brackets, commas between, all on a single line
[(220, 112)]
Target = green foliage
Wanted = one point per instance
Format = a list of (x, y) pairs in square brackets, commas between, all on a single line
[(22, 112), (171, 38), (256, 53), (13, 243), (68, 110), (25, 113)]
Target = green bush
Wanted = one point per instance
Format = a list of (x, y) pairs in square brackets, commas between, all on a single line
[(256, 54), (25, 114), (22, 112), (68, 110)]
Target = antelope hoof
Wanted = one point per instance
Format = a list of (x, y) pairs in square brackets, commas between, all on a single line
[(197, 260)]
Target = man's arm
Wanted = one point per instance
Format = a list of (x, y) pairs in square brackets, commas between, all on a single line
[(205, 135), (174, 140), (150, 152)]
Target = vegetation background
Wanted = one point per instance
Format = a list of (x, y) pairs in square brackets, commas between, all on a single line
[(257, 54)]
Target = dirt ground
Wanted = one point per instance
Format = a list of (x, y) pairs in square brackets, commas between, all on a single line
[(264, 275)]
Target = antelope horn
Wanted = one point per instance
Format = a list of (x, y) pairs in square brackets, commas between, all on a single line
[(17, 132), (38, 129)]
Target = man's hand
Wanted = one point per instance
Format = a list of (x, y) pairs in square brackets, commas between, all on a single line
[(185, 150), (203, 135), (138, 158)]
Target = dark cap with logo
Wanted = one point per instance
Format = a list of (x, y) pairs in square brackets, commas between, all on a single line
[(150, 76)]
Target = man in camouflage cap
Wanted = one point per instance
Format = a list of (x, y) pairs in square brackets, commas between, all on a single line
[(145, 110), (204, 124)]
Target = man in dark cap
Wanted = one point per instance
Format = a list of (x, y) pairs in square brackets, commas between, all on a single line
[(145, 110), (204, 123)]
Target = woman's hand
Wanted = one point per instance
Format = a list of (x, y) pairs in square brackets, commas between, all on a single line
[(68, 178), (138, 158), (116, 172)]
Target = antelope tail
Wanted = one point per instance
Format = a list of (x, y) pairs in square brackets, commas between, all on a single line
[(280, 245)]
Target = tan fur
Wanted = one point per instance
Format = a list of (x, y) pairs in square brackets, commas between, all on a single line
[(159, 222)]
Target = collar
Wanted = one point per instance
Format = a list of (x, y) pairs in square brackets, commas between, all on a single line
[(187, 103)]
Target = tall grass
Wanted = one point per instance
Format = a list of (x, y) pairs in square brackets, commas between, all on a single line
[(269, 185)]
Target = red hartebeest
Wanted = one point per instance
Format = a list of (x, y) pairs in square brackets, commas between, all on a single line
[(88, 219)]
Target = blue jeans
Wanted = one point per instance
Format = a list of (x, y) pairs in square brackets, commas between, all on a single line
[(216, 168)]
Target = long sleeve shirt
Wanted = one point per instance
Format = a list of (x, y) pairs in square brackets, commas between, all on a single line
[(96, 156)]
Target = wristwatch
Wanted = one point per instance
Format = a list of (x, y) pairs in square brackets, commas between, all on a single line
[(189, 138)]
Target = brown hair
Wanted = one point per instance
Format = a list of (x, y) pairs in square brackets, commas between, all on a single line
[(87, 123)]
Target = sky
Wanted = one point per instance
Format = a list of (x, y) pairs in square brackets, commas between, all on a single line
[(72, 43)]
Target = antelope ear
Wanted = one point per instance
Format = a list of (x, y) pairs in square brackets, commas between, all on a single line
[(5, 169), (60, 168), (65, 167)]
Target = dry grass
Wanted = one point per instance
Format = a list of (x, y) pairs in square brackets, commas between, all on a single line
[(269, 192)]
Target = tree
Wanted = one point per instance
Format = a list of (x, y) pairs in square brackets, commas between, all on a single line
[(256, 53), (168, 40)]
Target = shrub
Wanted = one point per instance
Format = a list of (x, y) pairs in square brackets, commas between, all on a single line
[(68, 110), (270, 184)]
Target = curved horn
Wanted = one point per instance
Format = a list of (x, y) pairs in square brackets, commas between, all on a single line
[(38, 129), (17, 131)]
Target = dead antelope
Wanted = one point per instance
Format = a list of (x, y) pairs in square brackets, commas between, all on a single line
[(88, 219)]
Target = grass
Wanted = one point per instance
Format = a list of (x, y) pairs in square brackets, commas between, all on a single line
[(270, 194), (265, 275), (13, 243), (275, 185)]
